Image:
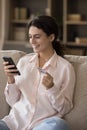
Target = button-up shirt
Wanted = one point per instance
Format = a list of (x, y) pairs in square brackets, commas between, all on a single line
[(29, 99)]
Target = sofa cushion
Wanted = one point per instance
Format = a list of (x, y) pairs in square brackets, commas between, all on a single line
[(4, 108), (77, 117)]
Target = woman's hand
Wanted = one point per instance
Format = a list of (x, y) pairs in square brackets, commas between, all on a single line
[(9, 72), (48, 81)]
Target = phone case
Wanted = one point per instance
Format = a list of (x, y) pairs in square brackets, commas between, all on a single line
[(11, 62)]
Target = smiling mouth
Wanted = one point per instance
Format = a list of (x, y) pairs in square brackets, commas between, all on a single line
[(35, 46)]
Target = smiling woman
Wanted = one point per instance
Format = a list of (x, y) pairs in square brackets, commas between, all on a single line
[(41, 43), (49, 27), (44, 90)]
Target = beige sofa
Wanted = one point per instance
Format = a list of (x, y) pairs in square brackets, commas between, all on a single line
[(77, 117)]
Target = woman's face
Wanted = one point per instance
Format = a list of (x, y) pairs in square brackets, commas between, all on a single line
[(39, 41)]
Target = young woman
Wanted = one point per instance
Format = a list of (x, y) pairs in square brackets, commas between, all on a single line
[(43, 93)]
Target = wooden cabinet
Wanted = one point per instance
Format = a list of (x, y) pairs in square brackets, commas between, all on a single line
[(75, 22), (19, 13), (14, 15)]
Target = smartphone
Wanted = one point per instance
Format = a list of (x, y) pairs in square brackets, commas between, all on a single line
[(11, 62)]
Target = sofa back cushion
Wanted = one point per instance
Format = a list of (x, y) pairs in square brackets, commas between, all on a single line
[(16, 55), (77, 117)]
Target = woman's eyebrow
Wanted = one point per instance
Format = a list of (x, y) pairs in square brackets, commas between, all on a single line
[(34, 35)]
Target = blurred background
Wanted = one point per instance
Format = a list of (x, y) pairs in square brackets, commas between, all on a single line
[(71, 16)]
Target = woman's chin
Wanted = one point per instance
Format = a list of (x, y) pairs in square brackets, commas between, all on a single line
[(35, 50)]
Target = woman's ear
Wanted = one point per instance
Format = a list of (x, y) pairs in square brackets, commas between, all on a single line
[(52, 37)]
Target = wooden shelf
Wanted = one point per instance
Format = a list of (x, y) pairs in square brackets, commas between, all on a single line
[(24, 21), (76, 22), (74, 29), (81, 46), (17, 42), (14, 20), (76, 44)]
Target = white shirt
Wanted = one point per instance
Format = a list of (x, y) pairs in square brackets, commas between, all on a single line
[(28, 97)]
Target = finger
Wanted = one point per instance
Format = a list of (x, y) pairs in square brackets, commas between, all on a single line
[(11, 72), (8, 66), (5, 63), (47, 83), (48, 76)]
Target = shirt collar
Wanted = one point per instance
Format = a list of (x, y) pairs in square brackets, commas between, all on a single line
[(52, 61), (34, 57)]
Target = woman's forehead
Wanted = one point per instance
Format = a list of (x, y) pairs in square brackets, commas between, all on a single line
[(35, 30)]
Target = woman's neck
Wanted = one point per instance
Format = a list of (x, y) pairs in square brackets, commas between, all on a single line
[(44, 57)]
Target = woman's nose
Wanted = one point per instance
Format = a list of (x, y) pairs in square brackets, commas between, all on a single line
[(32, 40)]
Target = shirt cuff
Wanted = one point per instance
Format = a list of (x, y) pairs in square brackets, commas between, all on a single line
[(10, 87)]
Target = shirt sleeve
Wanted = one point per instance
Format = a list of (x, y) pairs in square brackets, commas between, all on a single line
[(12, 94), (62, 100)]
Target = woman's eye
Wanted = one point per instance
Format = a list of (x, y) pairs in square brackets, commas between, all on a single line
[(37, 37)]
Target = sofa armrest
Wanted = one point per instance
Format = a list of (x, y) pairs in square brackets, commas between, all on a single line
[(16, 55)]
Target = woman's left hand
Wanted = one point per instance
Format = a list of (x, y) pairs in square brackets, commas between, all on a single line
[(48, 81)]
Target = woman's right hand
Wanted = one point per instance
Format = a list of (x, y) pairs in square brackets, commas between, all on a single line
[(9, 72)]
